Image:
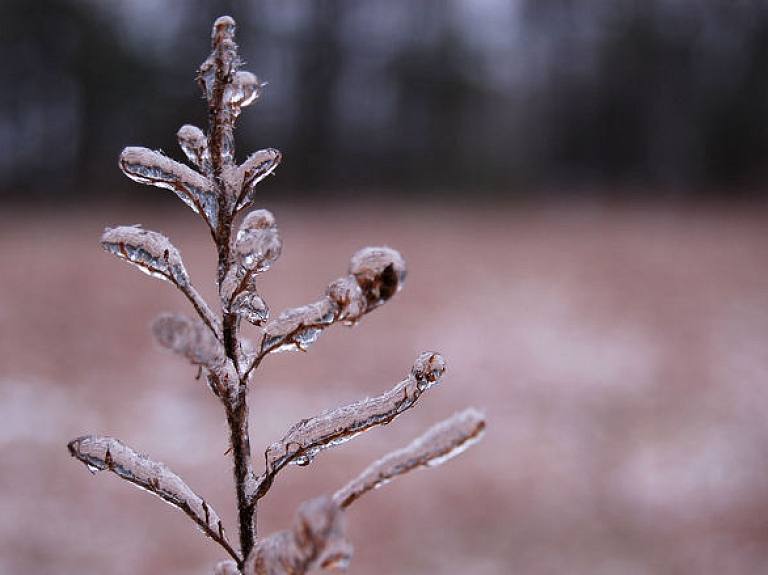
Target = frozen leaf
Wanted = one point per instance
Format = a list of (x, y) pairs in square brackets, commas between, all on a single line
[(297, 328), (149, 167), (244, 90), (195, 145), (316, 541), (149, 251), (380, 273), (440, 443), (258, 244), (257, 167), (99, 453), (349, 299), (190, 338), (336, 426)]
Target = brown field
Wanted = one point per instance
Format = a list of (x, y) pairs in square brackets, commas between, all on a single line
[(620, 355)]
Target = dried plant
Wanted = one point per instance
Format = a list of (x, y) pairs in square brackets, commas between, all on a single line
[(218, 190)]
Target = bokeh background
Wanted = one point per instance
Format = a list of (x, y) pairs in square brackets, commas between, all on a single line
[(578, 187)]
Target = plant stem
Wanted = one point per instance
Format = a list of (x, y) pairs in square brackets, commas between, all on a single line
[(237, 418)]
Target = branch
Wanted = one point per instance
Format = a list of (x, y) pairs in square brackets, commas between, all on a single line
[(336, 426), (440, 443), (155, 255), (99, 452)]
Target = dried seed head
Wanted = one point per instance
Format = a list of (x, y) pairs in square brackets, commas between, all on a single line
[(380, 273), (258, 244)]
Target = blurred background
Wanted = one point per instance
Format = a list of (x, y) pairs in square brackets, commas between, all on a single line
[(578, 187)]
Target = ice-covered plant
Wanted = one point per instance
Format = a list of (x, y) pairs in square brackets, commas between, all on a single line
[(219, 191)]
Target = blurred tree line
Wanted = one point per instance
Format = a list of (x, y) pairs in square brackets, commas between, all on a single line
[(494, 96)]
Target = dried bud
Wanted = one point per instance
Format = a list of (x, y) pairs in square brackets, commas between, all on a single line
[(380, 272), (149, 251), (258, 244)]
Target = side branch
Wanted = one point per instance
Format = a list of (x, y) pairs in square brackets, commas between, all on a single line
[(99, 453)]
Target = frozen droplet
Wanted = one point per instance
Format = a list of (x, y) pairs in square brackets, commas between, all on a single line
[(92, 468), (194, 144), (380, 273), (258, 244), (307, 337), (302, 460)]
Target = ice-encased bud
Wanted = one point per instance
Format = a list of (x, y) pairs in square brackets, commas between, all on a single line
[(258, 243), (249, 305), (223, 28), (257, 167), (380, 273), (149, 251), (428, 369), (226, 568), (194, 144), (349, 298), (244, 90)]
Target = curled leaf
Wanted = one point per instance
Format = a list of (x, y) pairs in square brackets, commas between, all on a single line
[(257, 167), (258, 244), (149, 251), (380, 273), (99, 453), (149, 167), (336, 426), (440, 443), (189, 338), (316, 541)]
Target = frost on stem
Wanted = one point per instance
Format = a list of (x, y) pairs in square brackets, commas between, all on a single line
[(336, 426), (317, 541), (99, 453), (440, 443)]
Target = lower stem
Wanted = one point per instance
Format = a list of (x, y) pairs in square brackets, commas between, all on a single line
[(237, 418)]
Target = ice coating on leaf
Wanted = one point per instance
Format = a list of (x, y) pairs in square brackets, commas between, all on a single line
[(440, 443), (189, 338), (257, 167), (249, 305), (297, 328), (258, 244), (380, 273), (244, 90), (336, 426), (101, 453), (149, 167), (150, 251), (194, 144), (349, 298), (316, 541)]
